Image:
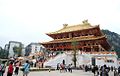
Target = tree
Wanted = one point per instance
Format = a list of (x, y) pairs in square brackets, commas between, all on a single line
[(27, 51), (74, 47), (6, 53), (3, 54), (17, 50)]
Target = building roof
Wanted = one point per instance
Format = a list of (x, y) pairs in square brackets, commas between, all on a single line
[(66, 28), (15, 42), (83, 38), (34, 43)]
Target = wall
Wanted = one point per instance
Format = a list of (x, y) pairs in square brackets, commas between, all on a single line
[(82, 59)]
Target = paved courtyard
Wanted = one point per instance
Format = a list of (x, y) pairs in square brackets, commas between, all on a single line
[(57, 73)]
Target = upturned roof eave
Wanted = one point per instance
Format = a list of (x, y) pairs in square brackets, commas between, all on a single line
[(57, 32), (73, 39)]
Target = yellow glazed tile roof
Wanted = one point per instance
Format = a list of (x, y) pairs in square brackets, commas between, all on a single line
[(66, 28)]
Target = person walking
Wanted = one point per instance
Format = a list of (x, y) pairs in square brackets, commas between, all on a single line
[(94, 70), (115, 72), (70, 68), (26, 68), (58, 66), (119, 70), (0, 70), (3, 67), (61, 67), (10, 69), (17, 64), (104, 71)]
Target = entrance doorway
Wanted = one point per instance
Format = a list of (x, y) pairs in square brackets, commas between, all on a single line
[(93, 61)]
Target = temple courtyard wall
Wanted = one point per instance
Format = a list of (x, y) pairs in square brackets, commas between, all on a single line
[(100, 59)]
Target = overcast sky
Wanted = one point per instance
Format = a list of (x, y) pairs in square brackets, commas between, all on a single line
[(28, 20)]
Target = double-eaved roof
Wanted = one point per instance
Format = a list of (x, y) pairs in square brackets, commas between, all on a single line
[(75, 28)]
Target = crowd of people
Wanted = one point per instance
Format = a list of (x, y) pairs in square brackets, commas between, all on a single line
[(96, 70), (101, 70), (64, 68), (13, 68)]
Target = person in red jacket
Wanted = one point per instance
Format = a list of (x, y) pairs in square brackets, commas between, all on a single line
[(10, 69)]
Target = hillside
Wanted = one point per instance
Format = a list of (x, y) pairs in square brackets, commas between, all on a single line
[(114, 40)]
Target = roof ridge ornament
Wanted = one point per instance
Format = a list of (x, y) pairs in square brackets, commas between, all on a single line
[(85, 22), (65, 25)]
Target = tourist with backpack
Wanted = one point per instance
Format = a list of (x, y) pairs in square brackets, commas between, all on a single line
[(26, 68), (10, 69)]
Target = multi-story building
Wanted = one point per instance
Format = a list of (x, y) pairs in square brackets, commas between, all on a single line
[(34, 48), (11, 45)]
